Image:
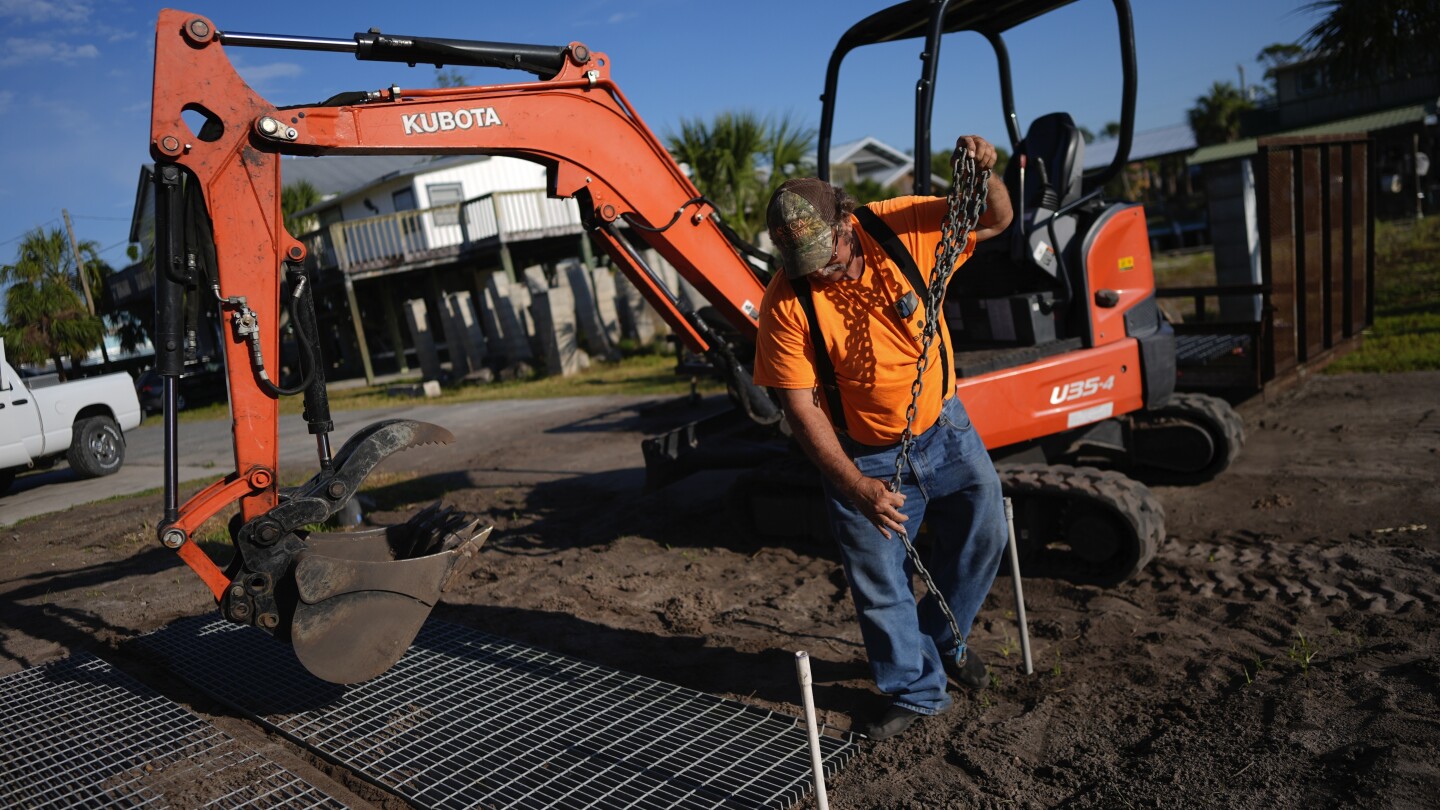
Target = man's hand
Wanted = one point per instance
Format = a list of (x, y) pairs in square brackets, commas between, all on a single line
[(997, 214), (872, 497), (816, 436), (978, 148)]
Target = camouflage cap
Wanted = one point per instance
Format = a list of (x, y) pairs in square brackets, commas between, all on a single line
[(800, 219)]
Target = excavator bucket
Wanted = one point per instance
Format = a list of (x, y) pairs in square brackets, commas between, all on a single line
[(350, 602), (362, 596)]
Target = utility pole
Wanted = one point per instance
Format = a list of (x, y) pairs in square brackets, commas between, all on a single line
[(84, 281)]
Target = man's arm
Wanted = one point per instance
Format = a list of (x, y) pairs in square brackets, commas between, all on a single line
[(812, 429), (998, 211)]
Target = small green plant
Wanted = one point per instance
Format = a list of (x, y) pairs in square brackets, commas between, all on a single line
[(1008, 646), (1056, 670), (1302, 652), (1252, 673), (993, 676)]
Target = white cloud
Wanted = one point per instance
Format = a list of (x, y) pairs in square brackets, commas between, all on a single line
[(622, 16), (260, 74), (39, 11), (19, 51), (6, 96)]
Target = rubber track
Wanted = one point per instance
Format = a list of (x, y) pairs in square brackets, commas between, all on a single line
[(1111, 491), (1220, 413), (1211, 414)]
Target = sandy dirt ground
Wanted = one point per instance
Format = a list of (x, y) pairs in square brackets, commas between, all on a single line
[(1280, 651)]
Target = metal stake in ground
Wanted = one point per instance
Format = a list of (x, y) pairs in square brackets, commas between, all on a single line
[(1019, 591), (802, 671)]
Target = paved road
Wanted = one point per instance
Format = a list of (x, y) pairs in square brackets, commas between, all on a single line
[(206, 447)]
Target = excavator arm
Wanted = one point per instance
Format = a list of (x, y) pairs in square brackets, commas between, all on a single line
[(350, 603)]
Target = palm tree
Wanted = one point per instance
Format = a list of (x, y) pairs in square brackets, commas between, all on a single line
[(725, 157), (1215, 118), (1375, 38), (45, 317), (294, 198)]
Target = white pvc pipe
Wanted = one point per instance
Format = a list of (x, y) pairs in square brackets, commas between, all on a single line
[(1019, 592), (802, 670)]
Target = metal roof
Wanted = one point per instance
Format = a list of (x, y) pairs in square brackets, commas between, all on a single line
[(1385, 119), (1151, 143)]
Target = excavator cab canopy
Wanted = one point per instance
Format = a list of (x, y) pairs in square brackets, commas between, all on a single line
[(931, 20)]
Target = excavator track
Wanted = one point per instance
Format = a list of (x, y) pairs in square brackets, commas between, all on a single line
[(1082, 524), (1192, 439)]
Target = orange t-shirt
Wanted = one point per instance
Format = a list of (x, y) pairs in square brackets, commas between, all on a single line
[(873, 350)]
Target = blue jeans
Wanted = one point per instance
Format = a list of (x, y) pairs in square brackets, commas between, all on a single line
[(950, 481)]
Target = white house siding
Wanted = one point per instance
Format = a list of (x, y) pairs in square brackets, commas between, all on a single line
[(476, 179)]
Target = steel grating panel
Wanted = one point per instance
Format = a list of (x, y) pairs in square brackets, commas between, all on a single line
[(468, 719), (80, 733)]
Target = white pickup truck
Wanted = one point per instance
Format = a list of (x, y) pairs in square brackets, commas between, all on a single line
[(82, 421)]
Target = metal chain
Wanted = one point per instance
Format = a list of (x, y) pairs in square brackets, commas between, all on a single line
[(968, 193)]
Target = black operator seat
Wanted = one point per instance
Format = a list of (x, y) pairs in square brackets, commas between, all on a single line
[(1013, 292), (1054, 152)]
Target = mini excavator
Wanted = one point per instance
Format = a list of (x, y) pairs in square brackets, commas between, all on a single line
[(350, 602)]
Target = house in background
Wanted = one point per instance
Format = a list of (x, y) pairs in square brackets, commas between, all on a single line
[(1392, 121), (870, 159), (395, 229)]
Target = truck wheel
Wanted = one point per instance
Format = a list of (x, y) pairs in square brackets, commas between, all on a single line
[(98, 448)]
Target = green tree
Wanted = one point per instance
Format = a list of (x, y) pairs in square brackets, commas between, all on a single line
[(1111, 129), (1365, 39), (1215, 118), (1275, 56), (294, 198), (867, 190), (726, 155), (450, 78), (45, 316)]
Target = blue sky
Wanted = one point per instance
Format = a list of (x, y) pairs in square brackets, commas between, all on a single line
[(76, 95)]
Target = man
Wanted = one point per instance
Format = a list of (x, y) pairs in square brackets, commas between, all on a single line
[(868, 317)]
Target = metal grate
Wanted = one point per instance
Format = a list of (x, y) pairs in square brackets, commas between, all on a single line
[(80, 733), (1197, 350), (467, 719)]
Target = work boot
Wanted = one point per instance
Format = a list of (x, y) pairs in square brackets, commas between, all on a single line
[(969, 673), (887, 724)]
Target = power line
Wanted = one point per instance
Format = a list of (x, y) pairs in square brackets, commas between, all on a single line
[(52, 221), (107, 219)]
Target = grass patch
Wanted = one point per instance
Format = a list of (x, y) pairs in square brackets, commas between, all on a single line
[(1406, 332), (639, 375), (1185, 270)]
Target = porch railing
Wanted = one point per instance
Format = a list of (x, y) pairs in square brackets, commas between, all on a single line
[(393, 240)]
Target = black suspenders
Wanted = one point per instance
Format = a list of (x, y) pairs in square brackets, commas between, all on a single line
[(824, 367)]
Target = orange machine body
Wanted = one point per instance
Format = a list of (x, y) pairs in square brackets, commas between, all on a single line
[(1061, 393)]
